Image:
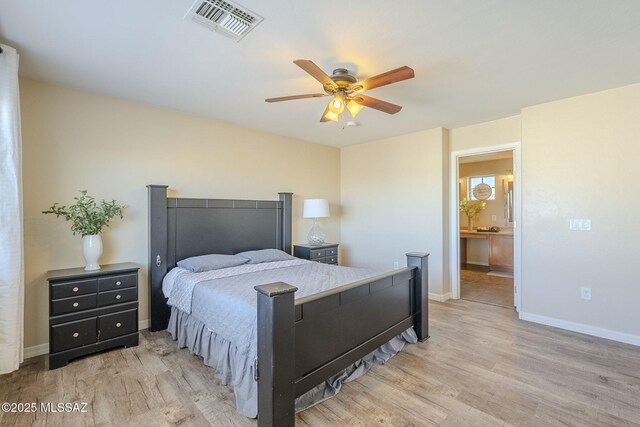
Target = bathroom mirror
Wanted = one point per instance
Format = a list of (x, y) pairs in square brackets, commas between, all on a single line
[(508, 200)]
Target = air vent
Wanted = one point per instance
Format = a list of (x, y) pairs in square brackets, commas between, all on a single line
[(225, 17)]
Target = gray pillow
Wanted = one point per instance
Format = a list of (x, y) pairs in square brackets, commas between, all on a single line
[(201, 263), (265, 255)]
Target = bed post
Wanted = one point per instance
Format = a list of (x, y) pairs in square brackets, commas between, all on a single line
[(158, 309), (420, 260), (286, 199), (276, 355)]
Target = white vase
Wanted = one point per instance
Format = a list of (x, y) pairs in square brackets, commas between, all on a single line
[(91, 250)]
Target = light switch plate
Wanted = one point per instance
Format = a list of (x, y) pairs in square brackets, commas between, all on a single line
[(580, 224)]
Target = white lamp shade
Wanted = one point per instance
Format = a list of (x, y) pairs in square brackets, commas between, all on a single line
[(315, 208)]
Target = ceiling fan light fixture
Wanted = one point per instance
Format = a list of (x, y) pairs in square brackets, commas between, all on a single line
[(337, 104), (330, 115), (354, 108), (345, 89)]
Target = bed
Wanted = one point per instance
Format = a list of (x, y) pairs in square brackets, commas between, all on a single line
[(290, 346)]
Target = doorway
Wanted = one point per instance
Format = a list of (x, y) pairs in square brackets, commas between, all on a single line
[(485, 232)]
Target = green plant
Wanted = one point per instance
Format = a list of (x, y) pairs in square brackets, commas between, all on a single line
[(472, 208), (86, 215)]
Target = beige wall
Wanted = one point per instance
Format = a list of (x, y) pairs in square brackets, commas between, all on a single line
[(75, 140), (394, 201), (496, 132), (579, 159)]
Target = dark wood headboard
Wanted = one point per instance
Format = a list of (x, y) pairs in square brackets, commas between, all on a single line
[(180, 228)]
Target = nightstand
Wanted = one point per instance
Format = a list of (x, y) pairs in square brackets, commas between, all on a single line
[(91, 311), (327, 253)]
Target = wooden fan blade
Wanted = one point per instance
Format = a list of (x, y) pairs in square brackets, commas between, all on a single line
[(377, 104), (316, 72), (393, 76), (290, 98)]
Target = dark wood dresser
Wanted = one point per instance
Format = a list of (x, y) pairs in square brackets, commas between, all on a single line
[(327, 253), (91, 311)]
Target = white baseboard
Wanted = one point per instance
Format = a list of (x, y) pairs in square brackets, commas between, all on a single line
[(440, 297), (582, 328), (40, 349), (36, 350)]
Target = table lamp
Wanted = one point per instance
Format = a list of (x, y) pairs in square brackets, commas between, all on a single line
[(315, 208)]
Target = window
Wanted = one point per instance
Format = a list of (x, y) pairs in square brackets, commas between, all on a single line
[(475, 180)]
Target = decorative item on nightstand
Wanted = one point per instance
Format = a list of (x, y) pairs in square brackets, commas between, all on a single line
[(88, 219), (315, 208)]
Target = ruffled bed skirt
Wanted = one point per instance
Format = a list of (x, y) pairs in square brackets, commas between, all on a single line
[(234, 368)]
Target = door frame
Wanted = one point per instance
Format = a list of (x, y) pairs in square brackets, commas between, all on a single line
[(454, 219)]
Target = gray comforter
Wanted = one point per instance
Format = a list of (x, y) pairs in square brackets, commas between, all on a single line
[(227, 305), (221, 323)]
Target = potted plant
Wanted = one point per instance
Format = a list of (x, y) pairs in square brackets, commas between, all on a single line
[(471, 208), (88, 218)]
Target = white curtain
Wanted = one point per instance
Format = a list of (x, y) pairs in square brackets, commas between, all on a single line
[(11, 245)]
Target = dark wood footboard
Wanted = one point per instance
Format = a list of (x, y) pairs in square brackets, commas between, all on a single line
[(303, 342)]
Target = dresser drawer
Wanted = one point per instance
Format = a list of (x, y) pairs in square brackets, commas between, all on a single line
[(69, 305), (116, 324), (117, 282), (332, 260), (73, 334), (116, 297), (71, 289), (317, 253), (332, 252)]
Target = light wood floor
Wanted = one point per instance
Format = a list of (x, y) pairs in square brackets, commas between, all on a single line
[(481, 367), (477, 285)]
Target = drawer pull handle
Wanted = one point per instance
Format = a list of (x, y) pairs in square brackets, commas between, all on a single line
[(118, 296), (118, 324), (118, 283), (76, 289), (76, 335), (75, 304)]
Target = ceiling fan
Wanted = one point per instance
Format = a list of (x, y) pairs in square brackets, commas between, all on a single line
[(347, 90)]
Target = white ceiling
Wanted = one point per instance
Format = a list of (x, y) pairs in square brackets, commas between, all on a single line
[(474, 60)]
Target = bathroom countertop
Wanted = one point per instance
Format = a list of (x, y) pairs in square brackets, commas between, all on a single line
[(507, 232)]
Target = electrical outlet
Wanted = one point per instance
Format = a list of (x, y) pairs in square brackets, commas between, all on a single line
[(585, 293), (395, 265), (494, 218)]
